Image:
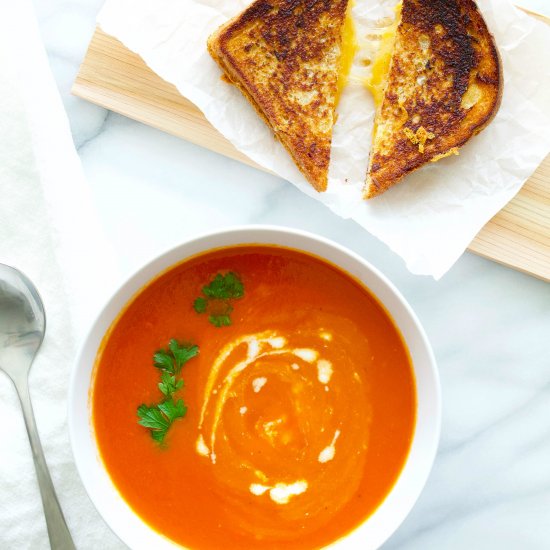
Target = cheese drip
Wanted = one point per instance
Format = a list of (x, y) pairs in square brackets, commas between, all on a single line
[(348, 50), (378, 79)]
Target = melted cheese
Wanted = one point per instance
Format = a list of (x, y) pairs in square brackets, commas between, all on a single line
[(376, 83), (348, 50), (451, 151), (471, 97)]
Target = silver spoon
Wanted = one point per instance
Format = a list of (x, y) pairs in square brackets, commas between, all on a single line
[(22, 328)]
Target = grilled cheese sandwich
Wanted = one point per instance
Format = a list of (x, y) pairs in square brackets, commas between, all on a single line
[(290, 58), (442, 86)]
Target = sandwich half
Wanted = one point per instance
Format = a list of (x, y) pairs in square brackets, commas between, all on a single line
[(286, 57), (440, 86)]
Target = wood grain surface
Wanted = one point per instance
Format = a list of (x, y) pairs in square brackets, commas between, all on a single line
[(116, 78)]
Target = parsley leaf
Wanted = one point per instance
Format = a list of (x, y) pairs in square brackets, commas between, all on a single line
[(173, 410), (175, 357), (152, 417), (220, 320), (200, 304), (159, 418), (224, 287), (163, 361), (219, 292), (182, 353), (169, 384)]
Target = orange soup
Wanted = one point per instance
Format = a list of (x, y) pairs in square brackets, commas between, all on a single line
[(291, 414)]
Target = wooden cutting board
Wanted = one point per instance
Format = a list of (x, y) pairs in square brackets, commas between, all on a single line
[(116, 78)]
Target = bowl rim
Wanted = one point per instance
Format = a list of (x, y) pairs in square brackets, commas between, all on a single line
[(389, 522)]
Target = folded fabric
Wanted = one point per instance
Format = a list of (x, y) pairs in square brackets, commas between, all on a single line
[(48, 231)]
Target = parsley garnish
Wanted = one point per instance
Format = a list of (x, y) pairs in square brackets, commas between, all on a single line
[(224, 286), (217, 296), (159, 417)]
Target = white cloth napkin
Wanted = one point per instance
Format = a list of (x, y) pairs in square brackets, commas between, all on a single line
[(48, 231)]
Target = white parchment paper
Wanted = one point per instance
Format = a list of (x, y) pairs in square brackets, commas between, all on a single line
[(431, 217)]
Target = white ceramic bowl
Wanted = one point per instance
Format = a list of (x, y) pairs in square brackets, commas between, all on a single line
[(374, 530)]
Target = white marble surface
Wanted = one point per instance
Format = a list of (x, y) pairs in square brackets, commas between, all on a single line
[(489, 326)]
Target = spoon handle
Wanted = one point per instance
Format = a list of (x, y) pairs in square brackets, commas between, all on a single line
[(58, 532)]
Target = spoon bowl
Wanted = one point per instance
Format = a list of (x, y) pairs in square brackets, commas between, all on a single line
[(22, 322), (22, 329)]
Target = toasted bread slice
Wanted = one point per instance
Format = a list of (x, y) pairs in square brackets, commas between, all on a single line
[(285, 57), (443, 86)]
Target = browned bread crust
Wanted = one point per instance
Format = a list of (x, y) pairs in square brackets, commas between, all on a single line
[(444, 86), (284, 56)]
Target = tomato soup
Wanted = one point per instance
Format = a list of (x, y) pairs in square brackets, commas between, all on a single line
[(299, 400)]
